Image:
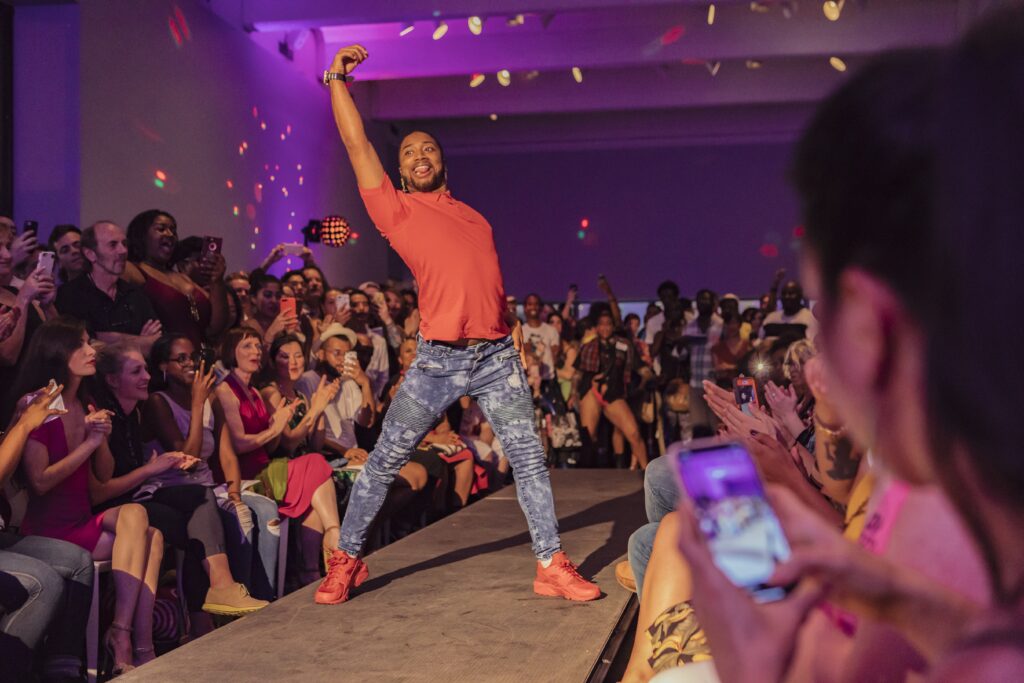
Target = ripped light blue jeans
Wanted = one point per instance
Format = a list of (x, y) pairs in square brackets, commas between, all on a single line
[(491, 373)]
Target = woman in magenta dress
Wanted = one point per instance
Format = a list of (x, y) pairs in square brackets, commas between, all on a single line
[(57, 463), (183, 305), (306, 488)]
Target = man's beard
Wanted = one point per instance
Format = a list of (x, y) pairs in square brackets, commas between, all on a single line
[(359, 322), (435, 182)]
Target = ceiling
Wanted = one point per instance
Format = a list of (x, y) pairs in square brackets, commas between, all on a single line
[(650, 72)]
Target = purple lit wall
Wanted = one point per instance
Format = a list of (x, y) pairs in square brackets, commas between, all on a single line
[(180, 111), (706, 216), (46, 139)]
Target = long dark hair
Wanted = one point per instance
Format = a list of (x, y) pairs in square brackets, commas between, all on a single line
[(974, 251), (47, 358), (137, 230), (159, 354)]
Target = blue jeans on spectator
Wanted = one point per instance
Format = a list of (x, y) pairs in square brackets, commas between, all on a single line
[(661, 495), (492, 374), (45, 588), (258, 571)]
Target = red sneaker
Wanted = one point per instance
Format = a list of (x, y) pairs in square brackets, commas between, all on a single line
[(344, 572), (561, 579)]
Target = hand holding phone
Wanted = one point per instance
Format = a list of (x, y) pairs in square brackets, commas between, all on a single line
[(288, 305), (45, 262), (341, 301), (737, 522), (292, 249)]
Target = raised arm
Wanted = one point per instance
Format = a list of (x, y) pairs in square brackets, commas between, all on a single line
[(364, 159)]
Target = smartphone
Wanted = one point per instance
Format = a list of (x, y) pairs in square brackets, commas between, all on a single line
[(378, 298), (213, 245), (745, 391), (741, 529), (288, 305), (31, 226), (340, 302), (351, 359), (56, 404), (293, 249), (46, 261), (220, 373)]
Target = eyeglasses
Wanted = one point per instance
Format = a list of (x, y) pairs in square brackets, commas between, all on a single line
[(184, 358)]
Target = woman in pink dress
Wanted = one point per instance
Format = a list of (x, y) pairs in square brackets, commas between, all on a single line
[(305, 489), (56, 464)]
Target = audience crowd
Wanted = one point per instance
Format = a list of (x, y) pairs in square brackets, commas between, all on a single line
[(164, 413)]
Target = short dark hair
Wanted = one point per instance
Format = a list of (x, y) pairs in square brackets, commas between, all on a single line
[(59, 231), (669, 285), (292, 273)]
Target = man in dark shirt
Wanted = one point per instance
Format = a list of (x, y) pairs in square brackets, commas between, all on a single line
[(112, 309)]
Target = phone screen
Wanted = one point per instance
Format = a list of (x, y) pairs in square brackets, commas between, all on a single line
[(288, 305), (341, 301), (745, 391), (46, 261), (741, 528)]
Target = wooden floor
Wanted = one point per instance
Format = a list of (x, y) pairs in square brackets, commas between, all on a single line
[(452, 602)]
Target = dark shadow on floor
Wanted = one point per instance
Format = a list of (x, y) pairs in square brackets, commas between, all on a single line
[(625, 512)]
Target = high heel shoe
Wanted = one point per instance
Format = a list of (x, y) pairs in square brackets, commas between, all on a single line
[(108, 641), (328, 552)]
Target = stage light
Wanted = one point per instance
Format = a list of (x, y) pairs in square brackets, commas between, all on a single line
[(476, 25), (332, 231), (476, 80), (442, 28), (493, 117), (577, 74), (581, 234), (837, 64), (234, 210), (231, 185), (159, 183), (833, 9), (517, 20), (406, 29), (753, 64), (504, 77), (711, 14)]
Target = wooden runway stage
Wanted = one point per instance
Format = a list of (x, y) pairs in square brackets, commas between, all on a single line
[(452, 602)]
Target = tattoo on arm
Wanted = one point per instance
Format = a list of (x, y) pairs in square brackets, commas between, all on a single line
[(843, 457)]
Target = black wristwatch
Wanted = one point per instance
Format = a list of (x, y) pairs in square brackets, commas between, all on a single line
[(336, 76)]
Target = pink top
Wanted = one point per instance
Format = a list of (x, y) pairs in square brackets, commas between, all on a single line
[(65, 511), (255, 419)]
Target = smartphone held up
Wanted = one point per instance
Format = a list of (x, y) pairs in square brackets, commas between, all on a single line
[(739, 525)]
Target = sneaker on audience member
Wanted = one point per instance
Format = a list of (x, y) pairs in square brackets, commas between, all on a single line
[(344, 573), (232, 601), (561, 579), (624, 575)]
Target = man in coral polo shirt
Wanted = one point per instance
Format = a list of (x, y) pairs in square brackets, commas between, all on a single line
[(468, 345)]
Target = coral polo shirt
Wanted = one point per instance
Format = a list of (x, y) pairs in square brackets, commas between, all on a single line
[(449, 248)]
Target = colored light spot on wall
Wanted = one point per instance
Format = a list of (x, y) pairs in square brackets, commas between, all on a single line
[(182, 23), (291, 226), (672, 35), (266, 167), (230, 185), (769, 250), (250, 212), (256, 230), (288, 129), (161, 175), (581, 234), (253, 246), (298, 167), (263, 125), (301, 180), (234, 210), (799, 232), (257, 192), (175, 32), (273, 178), (284, 191), (277, 167), (159, 183), (255, 113), (585, 223)]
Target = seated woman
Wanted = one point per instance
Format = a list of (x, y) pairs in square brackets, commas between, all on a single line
[(606, 363), (267, 317), (303, 434), (182, 418), (299, 485), (180, 501), (45, 583), (65, 463), (182, 304)]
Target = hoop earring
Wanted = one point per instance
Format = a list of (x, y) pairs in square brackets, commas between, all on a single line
[(404, 188)]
